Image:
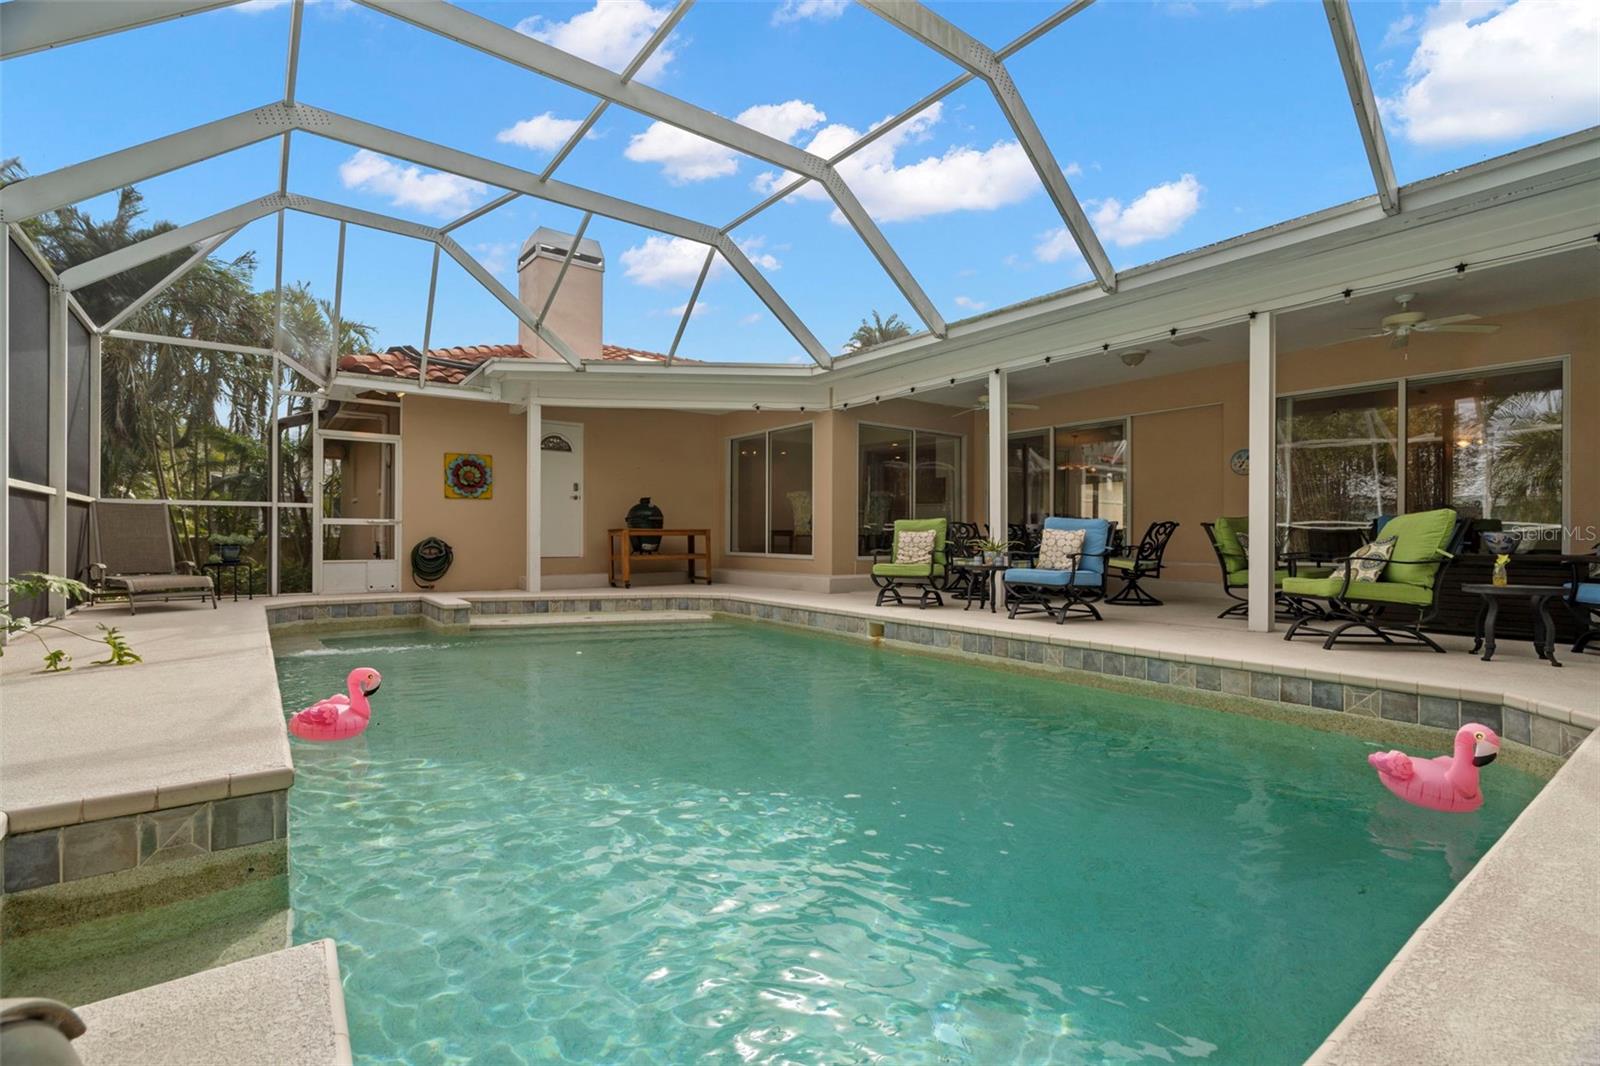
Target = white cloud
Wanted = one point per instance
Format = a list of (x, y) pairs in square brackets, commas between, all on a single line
[(800, 10), (967, 303), (686, 157), (676, 261), (497, 257), (1494, 71), (700, 308), (961, 179), (751, 319), (409, 186), (610, 34), (542, 133), (1159, 211)]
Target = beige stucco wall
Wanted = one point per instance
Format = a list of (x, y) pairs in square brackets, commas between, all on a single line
[(1183, 428)]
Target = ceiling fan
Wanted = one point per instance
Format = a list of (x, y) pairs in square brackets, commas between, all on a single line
[(1399, 326), (983, 405)]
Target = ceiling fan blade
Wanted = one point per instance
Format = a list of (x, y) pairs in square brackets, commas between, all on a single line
[(1485, 328), (1023, 406), (1449, 320)]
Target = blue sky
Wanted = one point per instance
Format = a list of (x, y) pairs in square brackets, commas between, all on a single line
[(1178, 124)]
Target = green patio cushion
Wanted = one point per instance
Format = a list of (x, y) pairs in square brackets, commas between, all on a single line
[(904, 570), (1241, 578), (1233, 554), (1122, 562), (1418, 537), (1362, 592)]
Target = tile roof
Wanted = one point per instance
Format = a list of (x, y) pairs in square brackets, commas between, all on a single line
[(450, 366)]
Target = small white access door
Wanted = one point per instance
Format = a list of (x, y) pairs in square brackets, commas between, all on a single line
[(561, 490)]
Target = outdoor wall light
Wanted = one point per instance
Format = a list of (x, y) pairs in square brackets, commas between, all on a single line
[(1134, 356)]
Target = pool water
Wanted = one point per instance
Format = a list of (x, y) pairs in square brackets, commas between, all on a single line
[(723, 840)]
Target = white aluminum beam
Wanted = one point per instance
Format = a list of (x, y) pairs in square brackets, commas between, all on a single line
[(34, 25), (971, 54), (218, 346), (173, 240), (338, 305), (1342, 24), (507, 44), (1262, 404), (479, 211), (533, 505), (566, 262), (56, 443), (688, 308), (999, 434), (5, 404), (661, 33), (1017, 44), (201, 251), (427, 322), (73, 184)]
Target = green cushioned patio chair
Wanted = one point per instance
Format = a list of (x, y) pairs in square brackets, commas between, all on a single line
[(1401, 601), (1235, 563), (893, 576), (1144, 562)]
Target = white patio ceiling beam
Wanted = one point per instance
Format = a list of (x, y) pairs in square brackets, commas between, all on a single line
[(507, 44), (463, 164), (1343, 26), (201, 251), (961, 48), (372, 220), (73, 184), (173, 240), (662, 32), (1038, 30), (34, 25)]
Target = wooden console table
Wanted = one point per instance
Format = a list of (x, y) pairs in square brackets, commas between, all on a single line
[(619, 544)]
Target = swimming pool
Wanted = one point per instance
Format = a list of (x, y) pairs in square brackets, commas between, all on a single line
[(725, 839)]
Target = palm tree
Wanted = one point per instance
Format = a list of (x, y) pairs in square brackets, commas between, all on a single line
[(876, 332)]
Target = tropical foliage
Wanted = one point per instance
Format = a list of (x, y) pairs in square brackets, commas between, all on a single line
[(877, 331), (34, 587), (188, 424)]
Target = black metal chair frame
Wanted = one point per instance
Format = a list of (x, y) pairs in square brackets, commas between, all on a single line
[(957, 541), (1146, 564), (1378, 619)]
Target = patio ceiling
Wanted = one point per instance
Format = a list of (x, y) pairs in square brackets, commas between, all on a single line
[(1121, 302)]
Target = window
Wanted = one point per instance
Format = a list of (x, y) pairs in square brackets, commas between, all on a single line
[(1091, 476), (1489, 446), (1028, 478), (769, 492), (904, 473), (1338, 466)]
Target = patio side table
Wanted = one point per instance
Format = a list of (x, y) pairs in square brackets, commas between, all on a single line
[(233, 567), (984, 583), (1538, 597)]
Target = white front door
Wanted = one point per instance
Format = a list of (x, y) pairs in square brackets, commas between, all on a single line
[(561, 490)]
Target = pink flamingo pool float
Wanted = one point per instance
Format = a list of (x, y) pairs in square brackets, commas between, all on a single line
[(1448, 783), (339, 717)]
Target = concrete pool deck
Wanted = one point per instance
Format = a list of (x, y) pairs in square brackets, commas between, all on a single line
[(104, 737)]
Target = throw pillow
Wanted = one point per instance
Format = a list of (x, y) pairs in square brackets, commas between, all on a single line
[(1059, 549), (913, 547), (1370, 559), (1244, 544)]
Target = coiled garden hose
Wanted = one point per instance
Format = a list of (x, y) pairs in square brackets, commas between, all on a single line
[(430, 561)]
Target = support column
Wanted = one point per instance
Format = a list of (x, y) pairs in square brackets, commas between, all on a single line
[(56, 530), (533, 565), (999, 422), (1263, 458), (5, 406)]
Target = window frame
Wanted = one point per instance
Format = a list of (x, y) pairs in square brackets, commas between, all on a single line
[(1403, 431), (913, 431), (1050, 431), (727, 472)]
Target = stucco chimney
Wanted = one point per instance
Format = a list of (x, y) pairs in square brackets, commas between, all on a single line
[(575, 316)]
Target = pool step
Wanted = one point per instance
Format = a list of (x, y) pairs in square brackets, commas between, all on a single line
[(612, 618)]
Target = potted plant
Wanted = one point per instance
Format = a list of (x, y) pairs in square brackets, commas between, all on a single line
[(229, 546), (992, 551)]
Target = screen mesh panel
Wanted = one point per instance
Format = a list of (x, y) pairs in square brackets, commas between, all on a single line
[(30, 516), (78, 423), (29, 381)]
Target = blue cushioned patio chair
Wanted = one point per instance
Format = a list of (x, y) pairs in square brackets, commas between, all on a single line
[(1030, 590), (892, 576), (1583, 600), (1403, 599)]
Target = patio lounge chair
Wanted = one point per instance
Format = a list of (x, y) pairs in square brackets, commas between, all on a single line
[(1030, 589), (134, 557), (1234, 560), (1583, 600), (1145, 562), (892, 576), (1404, 597)]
